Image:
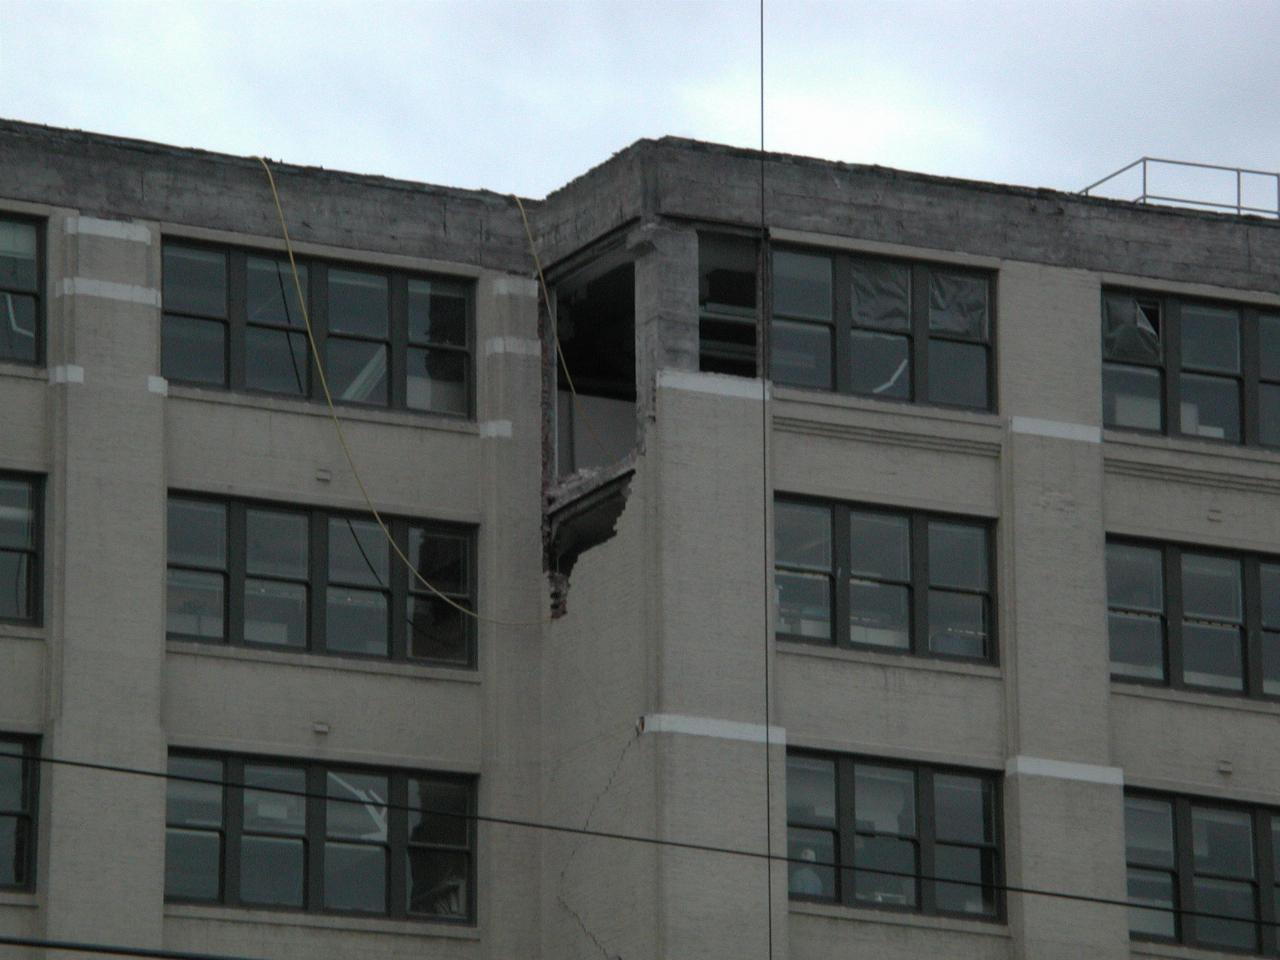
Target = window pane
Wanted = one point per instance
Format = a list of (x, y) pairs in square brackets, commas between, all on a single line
[(195, 281), (194, 350), (437, 380), (1211, 407), (438, 631), (15, 585), (437, 882), (727, 345), (357, 303), (197, 533), (355, 877), (356, 808), (1270, 595), (1211, 656), (17, 514), (801, 285), (437, 312), (1269, 414), (12, 778), (1131, 397), (275, 613), (1135, 578), (1225, 898), (958, 304), (1210, 338), (15, 851), (1211, 587), (727, 274), (194, 603), (880, 365), (17, 327), (192, 864), (811, 878), (967, 864), (190, 803), (1148, 831), (438, 812), (1130, 330), (802, 354), (1137, 646), (958, 374), (276, 543), (1223, 842), (879, 545), (358, 552), (274, 812), (272, 871), (802, 535), (811, 791), (272, 295), (1271, 663), (356, 622), (896, 858), (879, 614), (1269, 345), (275, 361), (804, 604), (1275, 848), (441, 559), (357, 370), (1152, 889), (963, 808), (881, 294), (957, 624), (884, 800), (957, 555), (18, 255)]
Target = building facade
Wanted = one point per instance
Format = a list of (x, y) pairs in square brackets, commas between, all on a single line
[(921, 533)]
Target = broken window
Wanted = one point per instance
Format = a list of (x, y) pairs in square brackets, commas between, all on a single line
[(727, 305)]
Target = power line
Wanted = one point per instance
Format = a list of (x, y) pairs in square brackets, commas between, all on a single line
[(115, 951)]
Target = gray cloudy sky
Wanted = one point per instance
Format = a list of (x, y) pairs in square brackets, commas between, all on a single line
[(525, 96)]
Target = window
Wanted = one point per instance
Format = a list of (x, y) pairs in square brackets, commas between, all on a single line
[(1187, 857), (880, 579), (18, 791), (389, 339), (1191, 368), (882, 328), (21, 281), (304, 836), (273, 577), (727, 304), (1194, 618), (20, 544), (876, 833)]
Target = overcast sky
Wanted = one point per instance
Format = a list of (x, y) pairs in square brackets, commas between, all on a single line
[(525, 96)]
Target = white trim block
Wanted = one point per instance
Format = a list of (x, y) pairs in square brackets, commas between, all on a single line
[(495, 428), (113, 229), (515, 287), (106, 290), (521, 346), (66, 373), (713, 383), (1064, 770), (1057, 429), (709, 727), (158, 385)]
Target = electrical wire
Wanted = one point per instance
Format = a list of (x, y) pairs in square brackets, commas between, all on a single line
[(110, 950)]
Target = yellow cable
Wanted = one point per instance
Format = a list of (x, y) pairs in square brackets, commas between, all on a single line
[(342, 437)]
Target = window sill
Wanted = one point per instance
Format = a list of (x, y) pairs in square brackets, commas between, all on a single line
[(1176, 951), (18, 898), (18, 631), (889, 659), (320, 921), (914, 409), (310, 408), (1219, 449), (323, 662), (836, 911), (23, 371), (1195, 698)]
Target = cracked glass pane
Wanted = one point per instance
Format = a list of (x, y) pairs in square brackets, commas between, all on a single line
[(1130, 328)]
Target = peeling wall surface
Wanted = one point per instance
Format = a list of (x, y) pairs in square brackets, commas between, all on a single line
[(626, 678)]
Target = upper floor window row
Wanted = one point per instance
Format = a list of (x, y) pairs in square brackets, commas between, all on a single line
[(20, 548), (21, 272), (267, 576), (388, 338), (1191, 368), (878, 579)]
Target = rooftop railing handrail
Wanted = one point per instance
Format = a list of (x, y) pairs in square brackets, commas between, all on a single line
[(1239, 207)]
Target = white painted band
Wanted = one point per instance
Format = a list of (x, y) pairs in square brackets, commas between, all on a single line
[(105, 289), (158, 385), (522, 346), (1057, 429), (114, 229), (717, 384), (1064, 770), (708, 727), (495, 428), (515, 287), (66, 373)]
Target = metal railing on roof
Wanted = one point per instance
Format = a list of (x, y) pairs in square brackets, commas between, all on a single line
[(1251, 187)]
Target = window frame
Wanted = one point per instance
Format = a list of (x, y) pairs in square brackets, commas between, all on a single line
[(40, 291), (315, 288), (35, 583), (918, 584), (315, 835), (846, 831), (398, 590), (30, 810), (917, 334)]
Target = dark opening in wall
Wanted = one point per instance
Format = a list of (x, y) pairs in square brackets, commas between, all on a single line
[(595, 321), (727, 305)]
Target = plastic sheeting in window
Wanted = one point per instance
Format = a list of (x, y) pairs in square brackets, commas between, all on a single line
[(1130, 330), (881, 295), (958, 305)]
